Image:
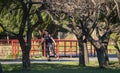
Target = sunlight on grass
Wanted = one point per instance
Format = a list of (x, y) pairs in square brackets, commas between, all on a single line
[(93, 64), (64, 67)]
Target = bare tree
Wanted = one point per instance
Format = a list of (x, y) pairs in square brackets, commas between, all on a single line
[(78, 12), (107, 17), (85, 16)]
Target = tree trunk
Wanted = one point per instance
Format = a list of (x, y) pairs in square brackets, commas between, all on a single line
[(105, 45), (81, 52), (101, 57), (86, 55), (25, 53), (26, 58), (106, 57)]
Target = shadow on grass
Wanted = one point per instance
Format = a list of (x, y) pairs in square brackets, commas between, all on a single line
[(59, 68)]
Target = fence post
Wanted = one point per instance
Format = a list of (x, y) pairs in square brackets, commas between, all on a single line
[(13, 48), (76, 48), (70, 49), (64, 48), (44, 49), (32, 49), (57, 48)]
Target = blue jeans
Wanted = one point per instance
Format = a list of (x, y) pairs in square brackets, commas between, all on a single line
[(49, 47)]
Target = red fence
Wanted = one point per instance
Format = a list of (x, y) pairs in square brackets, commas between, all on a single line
[(63, 48)]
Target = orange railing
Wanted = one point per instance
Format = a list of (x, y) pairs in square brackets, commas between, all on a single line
[(62, 48)]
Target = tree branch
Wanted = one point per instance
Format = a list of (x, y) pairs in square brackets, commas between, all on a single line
[(93, 26), (96, 44), (93, 1), (118, 11), (1, 25), (75, 26), (24, 18)]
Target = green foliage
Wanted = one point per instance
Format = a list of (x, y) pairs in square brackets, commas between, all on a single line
[(11, 21), (47, 22), (113, 35), (33, 16), (1, 30), (4, 3), (46, 17), (11, 17)]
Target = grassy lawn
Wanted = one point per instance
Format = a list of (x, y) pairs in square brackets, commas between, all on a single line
[(66, 67)]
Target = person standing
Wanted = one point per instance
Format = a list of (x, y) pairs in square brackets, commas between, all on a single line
[(48, 39)]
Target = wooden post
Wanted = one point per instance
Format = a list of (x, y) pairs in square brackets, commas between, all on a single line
[(76, 49), (57, 49), (70, 49), (64, 48), (44, 49)]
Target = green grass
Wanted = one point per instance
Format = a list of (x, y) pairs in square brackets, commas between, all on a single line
[(66, 67)]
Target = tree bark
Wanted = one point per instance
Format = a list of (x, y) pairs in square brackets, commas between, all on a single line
[(106, 57), (81, 52), (86, 55), (101, 57), (105, 46), (25, 53), (26, 58)]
